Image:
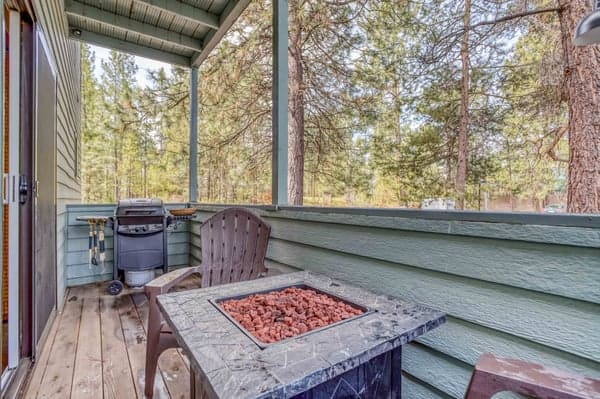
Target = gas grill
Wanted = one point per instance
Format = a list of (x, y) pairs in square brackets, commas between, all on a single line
[(140, 238)]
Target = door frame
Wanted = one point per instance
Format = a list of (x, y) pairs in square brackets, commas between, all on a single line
[(2, 99), (11, 180), (26, 177), (39, 37)]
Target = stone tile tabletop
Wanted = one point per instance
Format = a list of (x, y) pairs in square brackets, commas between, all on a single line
[(231, 365)]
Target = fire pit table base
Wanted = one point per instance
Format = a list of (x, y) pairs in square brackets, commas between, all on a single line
[(379, 378)]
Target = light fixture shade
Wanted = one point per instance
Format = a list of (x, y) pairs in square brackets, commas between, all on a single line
[(588, 30)]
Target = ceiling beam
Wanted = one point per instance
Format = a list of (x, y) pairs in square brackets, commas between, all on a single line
[(183, 10), (128, 47), (231, 13), (76, 8)]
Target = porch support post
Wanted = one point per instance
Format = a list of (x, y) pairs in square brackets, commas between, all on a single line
[(280, 103), (193, 164)]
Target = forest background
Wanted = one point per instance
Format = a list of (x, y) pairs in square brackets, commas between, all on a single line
[(392, 103)]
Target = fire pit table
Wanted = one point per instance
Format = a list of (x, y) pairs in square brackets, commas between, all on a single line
[(356, 355)]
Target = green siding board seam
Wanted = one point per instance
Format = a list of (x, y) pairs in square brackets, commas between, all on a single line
[(76, 232), (84, 270), (83, 265), (517, 218), (82, 256), (562, 270), (546, 234), (554, 321), (414, 388), (528, 265), (436, 369), (466, 341), (80, 243)]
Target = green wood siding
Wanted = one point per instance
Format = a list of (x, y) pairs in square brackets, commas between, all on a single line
[(528, 291), (79, 271), (66, 56)]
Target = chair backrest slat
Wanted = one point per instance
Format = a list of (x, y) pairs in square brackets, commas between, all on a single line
[(262, 240), (239, 240), (234, 246), (229, 221), (250, 249)]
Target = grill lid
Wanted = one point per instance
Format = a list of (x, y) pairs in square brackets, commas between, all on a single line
[(134, 202), (140, 207)]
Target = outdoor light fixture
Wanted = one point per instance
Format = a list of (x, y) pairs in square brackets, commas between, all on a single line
[(588, 30), (77, 32)]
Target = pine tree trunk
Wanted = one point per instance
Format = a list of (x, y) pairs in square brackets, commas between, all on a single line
[(296, 110), (582, 79), (117, 192), (463, 132)]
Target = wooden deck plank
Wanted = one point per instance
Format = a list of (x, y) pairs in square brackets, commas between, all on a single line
[(171, 364), (39, 368), (87, 378), (116, 372), (58, 377), (96, 348), (95, 290), (135, 341)]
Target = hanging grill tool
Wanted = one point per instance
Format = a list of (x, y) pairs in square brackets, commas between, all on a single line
[(101, 244), (96, 243)]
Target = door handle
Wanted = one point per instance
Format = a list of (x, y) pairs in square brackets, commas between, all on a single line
[(13, 189), (23, 189), (6, 189)]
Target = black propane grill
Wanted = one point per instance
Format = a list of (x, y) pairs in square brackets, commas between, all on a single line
[(140, 237)]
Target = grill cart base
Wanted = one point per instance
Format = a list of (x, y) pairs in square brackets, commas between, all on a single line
[(140, 238)]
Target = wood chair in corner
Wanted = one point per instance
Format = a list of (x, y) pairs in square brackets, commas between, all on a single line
[(493, 375), (234, 245)]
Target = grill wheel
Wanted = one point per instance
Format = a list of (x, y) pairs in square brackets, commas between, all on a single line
[(114, 287)]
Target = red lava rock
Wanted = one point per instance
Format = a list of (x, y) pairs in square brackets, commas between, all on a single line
[(277, 315)]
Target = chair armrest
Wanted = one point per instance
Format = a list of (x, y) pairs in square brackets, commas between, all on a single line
[(162, 284), (498, 374)]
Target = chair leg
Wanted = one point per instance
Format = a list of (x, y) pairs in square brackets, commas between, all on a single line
[(192, 384), (152, 354), (152, 346)]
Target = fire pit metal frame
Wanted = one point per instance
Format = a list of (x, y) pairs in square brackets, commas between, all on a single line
[(302, 285)]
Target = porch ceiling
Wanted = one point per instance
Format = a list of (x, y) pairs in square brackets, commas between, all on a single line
[(180, 32)]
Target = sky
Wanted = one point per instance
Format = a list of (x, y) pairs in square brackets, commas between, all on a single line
[(144, 64)]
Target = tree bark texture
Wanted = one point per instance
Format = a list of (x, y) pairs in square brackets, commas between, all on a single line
[(463, 132), (296, 108), (582, 89)]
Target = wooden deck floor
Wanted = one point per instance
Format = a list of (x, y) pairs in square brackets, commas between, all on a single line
[(96, 349)]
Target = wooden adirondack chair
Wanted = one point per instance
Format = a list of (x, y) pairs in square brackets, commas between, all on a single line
[(493, 374), (234, 245)]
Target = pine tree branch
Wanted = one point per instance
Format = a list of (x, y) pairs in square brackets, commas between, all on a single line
[(516, 16), (558, 134)]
